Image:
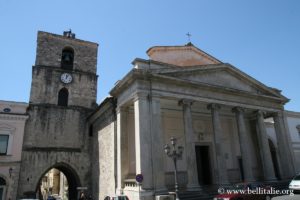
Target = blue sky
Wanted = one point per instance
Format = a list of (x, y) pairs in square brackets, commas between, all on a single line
[(261, 38)]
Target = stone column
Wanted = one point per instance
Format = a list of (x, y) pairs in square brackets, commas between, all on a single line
[(244, 144), (287, 170), (190, 151), (143, 142), (122, 149), (222, 175), (264, 147), (158, 146)]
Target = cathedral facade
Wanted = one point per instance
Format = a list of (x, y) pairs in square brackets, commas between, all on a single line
[(216, 112)]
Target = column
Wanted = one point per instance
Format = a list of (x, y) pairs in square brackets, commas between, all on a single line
[(265, 152), (122, 148), (285, 156), (222, 175), (143, 142), (244, 144), (190, 151), (158, 146)]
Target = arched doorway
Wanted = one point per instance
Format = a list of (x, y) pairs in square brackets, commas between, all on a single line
[(58, 181), (274, 159)]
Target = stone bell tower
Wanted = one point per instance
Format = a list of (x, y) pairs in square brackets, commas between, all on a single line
[(63, 94)]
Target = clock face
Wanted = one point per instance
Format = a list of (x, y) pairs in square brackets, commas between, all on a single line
[(66, 78)]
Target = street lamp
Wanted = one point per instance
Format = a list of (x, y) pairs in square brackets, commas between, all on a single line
[(174, 154)]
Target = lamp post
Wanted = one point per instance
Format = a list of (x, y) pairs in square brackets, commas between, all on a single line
[(175, 154)]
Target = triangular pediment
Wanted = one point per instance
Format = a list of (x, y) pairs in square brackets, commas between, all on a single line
[(222, 76)]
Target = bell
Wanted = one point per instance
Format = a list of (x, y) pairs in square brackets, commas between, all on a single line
[(67, 58)]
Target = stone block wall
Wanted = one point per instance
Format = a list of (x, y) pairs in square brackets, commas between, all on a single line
[(50, 46)]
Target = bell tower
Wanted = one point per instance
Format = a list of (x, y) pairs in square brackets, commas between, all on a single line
[(63, 94), (65, 70)]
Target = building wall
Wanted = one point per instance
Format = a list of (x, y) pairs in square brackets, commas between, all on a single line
[(293, 120), (12, 123), (103, 130), (106, 161)]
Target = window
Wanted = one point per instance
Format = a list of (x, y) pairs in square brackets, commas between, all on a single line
[(3, 144), (67, 58), (63, 96)]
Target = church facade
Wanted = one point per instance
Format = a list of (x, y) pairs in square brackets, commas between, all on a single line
[(216, 112)]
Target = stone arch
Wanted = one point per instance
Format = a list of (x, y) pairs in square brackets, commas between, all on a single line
[(273, 150), (67, 58), (71, 175), (63, 97)]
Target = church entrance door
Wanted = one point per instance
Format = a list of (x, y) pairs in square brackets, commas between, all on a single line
[(203, 164)]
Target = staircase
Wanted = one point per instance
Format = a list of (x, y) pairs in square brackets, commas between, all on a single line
[(210, 191)]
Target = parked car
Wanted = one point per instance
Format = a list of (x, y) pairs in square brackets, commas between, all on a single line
[(245, 191), (295, 184)]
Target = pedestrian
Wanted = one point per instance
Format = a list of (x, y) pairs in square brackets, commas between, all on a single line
[(82, 196)]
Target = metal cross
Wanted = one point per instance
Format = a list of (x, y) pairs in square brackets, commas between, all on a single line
[(189, 36)]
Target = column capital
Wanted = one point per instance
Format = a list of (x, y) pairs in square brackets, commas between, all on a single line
[(213, 106), (185, 102), (140, 96), (238, 109), (120, 109), (260, 113), (277, 114)]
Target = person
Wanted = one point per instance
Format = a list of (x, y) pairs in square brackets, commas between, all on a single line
[(82, 196)]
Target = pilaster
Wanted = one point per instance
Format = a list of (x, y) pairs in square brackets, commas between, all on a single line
[(192, 172), (143, 140), (287, 170), (122, 148), (268, 169), (244, 144), (158, 144), (222, 176)]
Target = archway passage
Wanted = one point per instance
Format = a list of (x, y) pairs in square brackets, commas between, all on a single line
[(59, 182)]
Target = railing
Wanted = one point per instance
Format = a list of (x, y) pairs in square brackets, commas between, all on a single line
[(130, 183)]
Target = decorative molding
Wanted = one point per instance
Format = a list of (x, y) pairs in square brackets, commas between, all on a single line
[(13, 117)]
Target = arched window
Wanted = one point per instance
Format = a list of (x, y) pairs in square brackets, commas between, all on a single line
[(63, 96), (67, 58)]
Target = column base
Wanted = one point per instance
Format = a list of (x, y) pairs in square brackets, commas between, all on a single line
[(135, 194), (119, 191), (271, 179), (193, 187), (161, 190)]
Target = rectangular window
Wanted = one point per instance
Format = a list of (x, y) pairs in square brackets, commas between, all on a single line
[(3, 144)]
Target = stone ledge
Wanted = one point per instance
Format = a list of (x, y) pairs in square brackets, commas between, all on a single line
[(51, 149)]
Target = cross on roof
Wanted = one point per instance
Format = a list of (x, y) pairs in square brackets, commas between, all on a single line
[(189, 36)]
